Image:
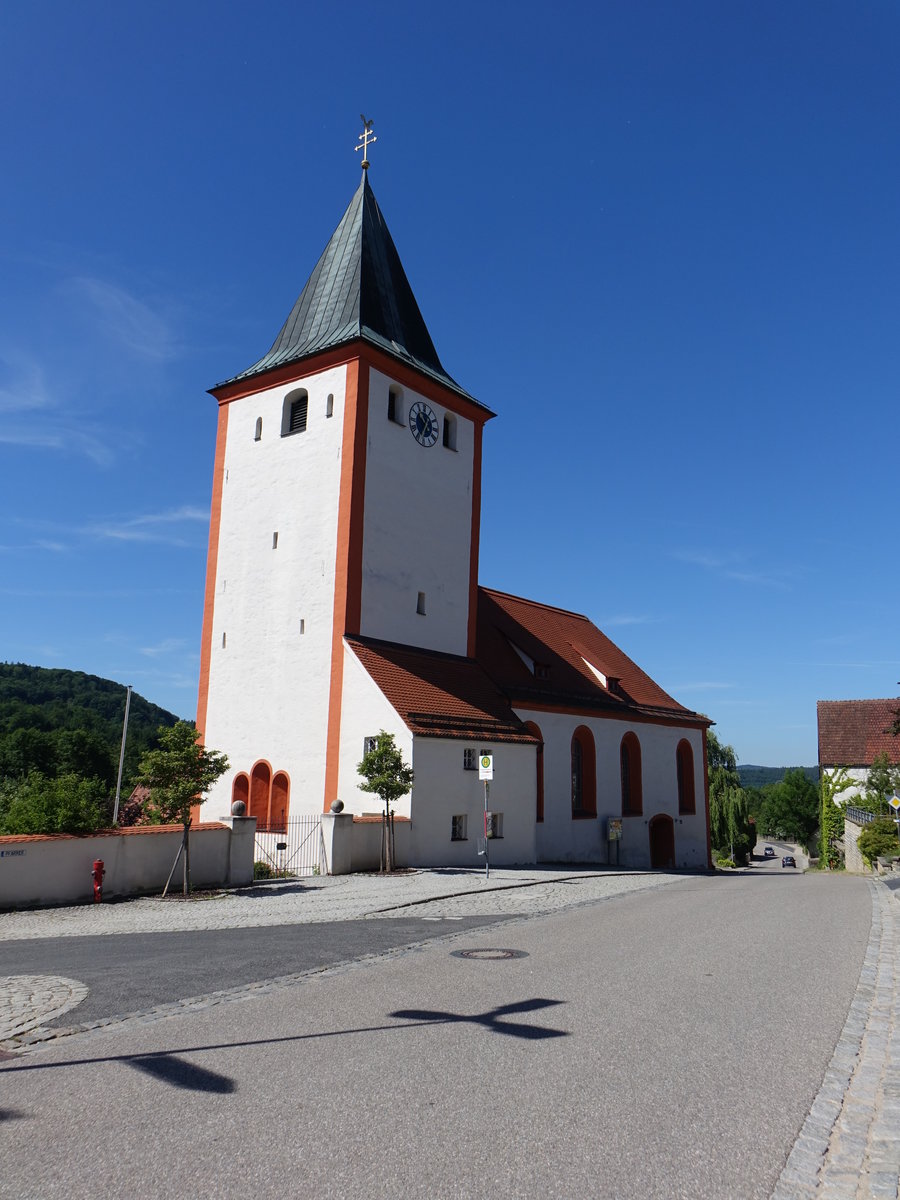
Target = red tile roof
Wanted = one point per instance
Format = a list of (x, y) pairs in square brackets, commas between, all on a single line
[(445, 695), (439, 695), (559, 645), (853, 732)]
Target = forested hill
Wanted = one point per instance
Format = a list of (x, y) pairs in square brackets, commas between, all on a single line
[(757, 777), (58, 721)]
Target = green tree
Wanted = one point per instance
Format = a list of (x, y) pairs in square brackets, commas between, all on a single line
[(881, 783), (65, 804), (388, 777), (831, 819), (179, 774), (879, 839), (791, 807), (731, 828)]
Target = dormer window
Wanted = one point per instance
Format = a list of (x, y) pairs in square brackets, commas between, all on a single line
[(295, 412)]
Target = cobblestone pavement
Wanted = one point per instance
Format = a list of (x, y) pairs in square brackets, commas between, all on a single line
[(848, 1148)]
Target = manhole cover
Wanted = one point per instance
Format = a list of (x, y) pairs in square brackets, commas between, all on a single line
[(490, 955)]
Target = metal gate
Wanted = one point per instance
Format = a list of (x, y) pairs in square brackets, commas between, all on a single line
[(294, 847)]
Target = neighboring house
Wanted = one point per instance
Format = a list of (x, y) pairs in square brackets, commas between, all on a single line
[(852, 733), (342, 598)]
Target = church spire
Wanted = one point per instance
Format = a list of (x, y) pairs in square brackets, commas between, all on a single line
[(357, 290)]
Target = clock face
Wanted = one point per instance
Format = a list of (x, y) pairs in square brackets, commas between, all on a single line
[(423, 423)]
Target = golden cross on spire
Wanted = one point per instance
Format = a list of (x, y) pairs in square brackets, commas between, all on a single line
[(366, 138)]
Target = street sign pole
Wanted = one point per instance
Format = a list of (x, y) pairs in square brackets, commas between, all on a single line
[(486, 774), (894, 802)]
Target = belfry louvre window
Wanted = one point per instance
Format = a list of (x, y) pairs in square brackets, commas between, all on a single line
[(295, 413)]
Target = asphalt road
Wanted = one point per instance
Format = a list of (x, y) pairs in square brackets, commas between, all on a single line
[(133, 972), (664, 1044)]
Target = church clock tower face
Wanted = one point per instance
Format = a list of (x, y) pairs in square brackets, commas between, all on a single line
[(423, 423)]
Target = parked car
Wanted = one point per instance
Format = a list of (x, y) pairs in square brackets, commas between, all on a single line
[(788, 861), (768, 852)]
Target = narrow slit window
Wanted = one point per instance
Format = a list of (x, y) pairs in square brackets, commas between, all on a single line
[(329, 405), (257, 436), (223, 641), (275, 540), (420, 604), (302, 626), (449, 431)]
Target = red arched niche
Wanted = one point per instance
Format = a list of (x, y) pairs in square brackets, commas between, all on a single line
[(584, 773), (240, 790), (260, 787), (684, 767), (539, 770), (630, 759), (278, 809)]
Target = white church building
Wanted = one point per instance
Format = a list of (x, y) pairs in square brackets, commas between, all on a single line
[(342, 598)]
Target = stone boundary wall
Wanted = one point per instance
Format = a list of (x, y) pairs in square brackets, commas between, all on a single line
[(353, 843), (41, 870), (853, 860)]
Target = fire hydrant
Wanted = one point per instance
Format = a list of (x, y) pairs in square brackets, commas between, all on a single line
[(97, 873)]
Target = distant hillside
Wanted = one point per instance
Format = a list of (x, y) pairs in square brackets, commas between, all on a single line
[(758, 777), (57, 721)]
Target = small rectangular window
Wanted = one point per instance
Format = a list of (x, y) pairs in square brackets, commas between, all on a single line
[(392, 407), (302, 625), (420, 604), (369, 744), (275, 540), (449, 432), (470, 762), (458, 828)]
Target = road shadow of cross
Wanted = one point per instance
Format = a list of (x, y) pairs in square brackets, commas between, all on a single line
[(493, 1019)]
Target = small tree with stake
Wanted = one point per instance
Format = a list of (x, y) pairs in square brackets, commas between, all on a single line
[(178, 775), (386, 775)]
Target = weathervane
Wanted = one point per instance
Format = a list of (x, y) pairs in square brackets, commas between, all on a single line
[(365, 140)]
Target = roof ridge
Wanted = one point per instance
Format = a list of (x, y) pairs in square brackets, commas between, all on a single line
[(568, 612)]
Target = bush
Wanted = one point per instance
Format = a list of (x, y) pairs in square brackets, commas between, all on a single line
[(66, 804), (262, 870), (879, 840)]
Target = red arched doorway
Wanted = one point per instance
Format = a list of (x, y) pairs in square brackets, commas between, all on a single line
[(662, 842)]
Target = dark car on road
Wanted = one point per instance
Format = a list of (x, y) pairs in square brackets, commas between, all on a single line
[(788, 861), (768, 852)]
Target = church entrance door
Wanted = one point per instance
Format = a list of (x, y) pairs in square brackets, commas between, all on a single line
[(662, 842)]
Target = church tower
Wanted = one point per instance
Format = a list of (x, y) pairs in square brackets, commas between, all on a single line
[(346, 502)]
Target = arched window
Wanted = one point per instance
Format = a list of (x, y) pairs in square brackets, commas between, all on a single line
[(278, 810), (294, 412), (257, 436), (584, 773), (630, 758), (539, 770), (240, 790), (260, 786), (684, 769)]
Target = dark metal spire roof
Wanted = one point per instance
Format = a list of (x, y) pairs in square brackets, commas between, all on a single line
[(358, 289)]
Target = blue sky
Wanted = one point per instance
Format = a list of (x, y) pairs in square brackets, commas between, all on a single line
[(660, 240)]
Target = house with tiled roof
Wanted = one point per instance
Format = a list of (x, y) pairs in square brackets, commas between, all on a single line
[(342, 598), (852, 733)]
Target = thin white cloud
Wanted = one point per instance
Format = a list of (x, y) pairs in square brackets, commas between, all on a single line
[(734, 567), (151, 527), (626, 619), (703, 686), (125, 319), (166, 646)]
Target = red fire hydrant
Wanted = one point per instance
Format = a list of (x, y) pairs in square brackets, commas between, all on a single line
[(97, 873)]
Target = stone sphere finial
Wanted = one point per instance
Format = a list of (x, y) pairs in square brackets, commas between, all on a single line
[(238, 808), (337, 806)]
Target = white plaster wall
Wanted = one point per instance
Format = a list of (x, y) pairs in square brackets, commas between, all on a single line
[(562, 839), (57, 870), (365, 711), (859, 775), (418, 521), (268, 689), (443, 789)]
